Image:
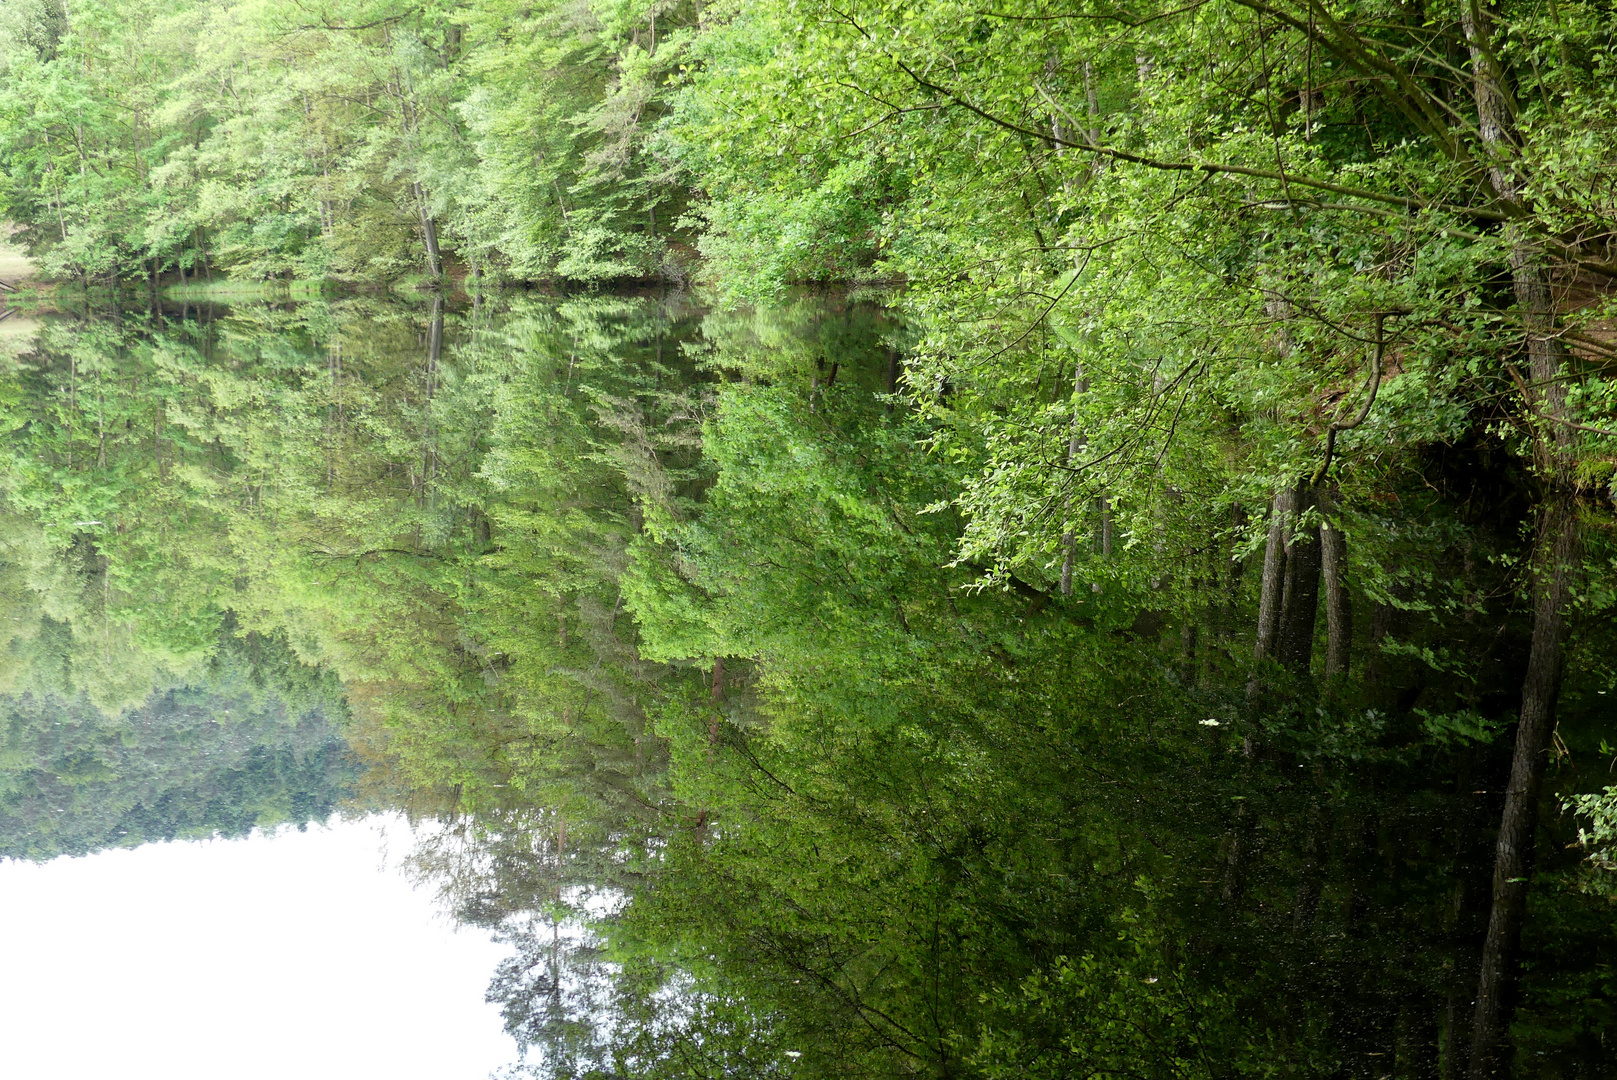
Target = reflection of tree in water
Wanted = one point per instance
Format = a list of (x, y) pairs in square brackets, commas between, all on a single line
[(539, 886), (973, 828), (250, 741), (666, 629)]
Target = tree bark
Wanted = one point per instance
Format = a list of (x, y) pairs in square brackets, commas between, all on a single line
[(1338, 604), (716, 720), (429, 432), (1271, 590), (1299, 605), (1074, 444), (429, 233), (1556, 551)]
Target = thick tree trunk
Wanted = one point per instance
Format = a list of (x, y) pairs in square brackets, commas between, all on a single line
[(1271, 589), (1299, 605), (1338, 604), (1557, 550)]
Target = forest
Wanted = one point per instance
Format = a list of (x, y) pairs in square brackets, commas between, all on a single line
[(938, 539)]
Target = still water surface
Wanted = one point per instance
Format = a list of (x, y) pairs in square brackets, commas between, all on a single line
[(283, 953), (508, 568)]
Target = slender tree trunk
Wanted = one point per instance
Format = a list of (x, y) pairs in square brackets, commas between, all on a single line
[(1189, 641), (429, 434), (1415, 1034), (1092, 101), (1556, 552), (1074, 443), (1306, 905), (1271, 590), (429, 233), (1232, 583)]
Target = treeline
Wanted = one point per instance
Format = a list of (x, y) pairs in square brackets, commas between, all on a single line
[(350, 140)]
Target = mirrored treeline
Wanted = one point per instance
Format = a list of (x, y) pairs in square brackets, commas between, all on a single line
[(661, 613)]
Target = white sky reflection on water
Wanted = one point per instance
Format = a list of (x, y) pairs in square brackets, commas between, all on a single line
[(297, 956)]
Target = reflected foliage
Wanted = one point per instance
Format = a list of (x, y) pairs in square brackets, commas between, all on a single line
[(235, 749), (664, 625)]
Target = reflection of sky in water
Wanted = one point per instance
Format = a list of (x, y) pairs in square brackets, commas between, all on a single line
[(298, 955)]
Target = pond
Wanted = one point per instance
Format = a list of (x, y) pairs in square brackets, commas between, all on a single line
[(643, 628)]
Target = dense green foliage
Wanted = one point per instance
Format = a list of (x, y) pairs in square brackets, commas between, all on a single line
[(1155, 643), (343, 140)]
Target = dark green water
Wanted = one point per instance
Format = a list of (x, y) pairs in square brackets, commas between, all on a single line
[(657, 609)]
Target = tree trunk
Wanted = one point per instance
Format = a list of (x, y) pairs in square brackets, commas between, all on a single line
[(1074, 444), (1271, 590), (1189, 639), (429, 434), (1557, 550), (429, 233), (1338, 604), (1232, 582), (1309, 884), (1299, 605)]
